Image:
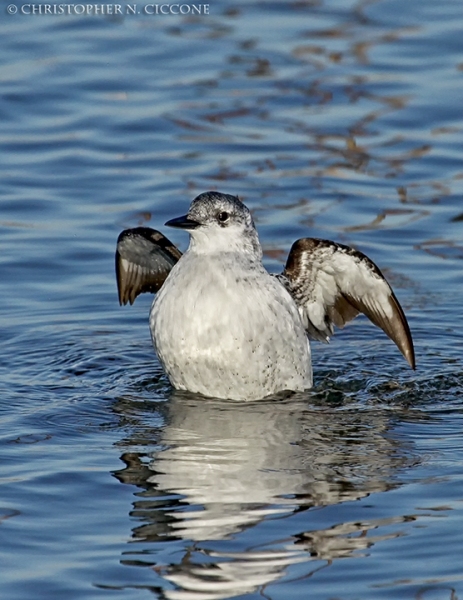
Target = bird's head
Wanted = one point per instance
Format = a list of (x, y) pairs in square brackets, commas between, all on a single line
[(219, 223)]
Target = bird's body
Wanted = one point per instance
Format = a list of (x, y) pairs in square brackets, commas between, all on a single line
[(222, 326), (209, 325)]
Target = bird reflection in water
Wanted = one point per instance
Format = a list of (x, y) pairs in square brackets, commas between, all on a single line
[(225, 467)]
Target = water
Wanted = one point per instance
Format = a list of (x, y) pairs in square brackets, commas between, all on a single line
[(331, 119)]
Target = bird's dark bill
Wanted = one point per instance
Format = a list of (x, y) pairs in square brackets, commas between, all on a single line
[(183, 223)]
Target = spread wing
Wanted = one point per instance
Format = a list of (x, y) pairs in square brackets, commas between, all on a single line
[(144, 259), (332, 283)]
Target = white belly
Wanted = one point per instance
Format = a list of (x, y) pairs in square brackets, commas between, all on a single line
[(229, 336)]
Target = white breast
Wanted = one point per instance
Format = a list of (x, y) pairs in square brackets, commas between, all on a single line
[(229, 331)]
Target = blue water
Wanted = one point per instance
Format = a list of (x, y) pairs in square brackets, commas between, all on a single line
[(334, 119)]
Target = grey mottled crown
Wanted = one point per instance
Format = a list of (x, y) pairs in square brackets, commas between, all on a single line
[(206, 206)]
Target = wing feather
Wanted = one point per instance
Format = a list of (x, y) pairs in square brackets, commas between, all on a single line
[(332, 283), (144, 259)]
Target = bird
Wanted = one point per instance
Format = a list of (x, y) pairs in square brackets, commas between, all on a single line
[(223, 326)]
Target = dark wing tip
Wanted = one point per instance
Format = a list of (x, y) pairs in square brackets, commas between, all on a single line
[(121, 290), (402, 335)]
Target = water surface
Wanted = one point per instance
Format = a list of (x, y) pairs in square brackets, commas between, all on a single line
[(332, 119)]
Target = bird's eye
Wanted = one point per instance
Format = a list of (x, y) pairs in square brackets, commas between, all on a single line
[(223, 217)]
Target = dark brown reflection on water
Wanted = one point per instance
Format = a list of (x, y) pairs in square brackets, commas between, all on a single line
[(445, 249)]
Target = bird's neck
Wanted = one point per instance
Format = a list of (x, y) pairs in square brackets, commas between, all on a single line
[(230, 261), (245, 250)]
